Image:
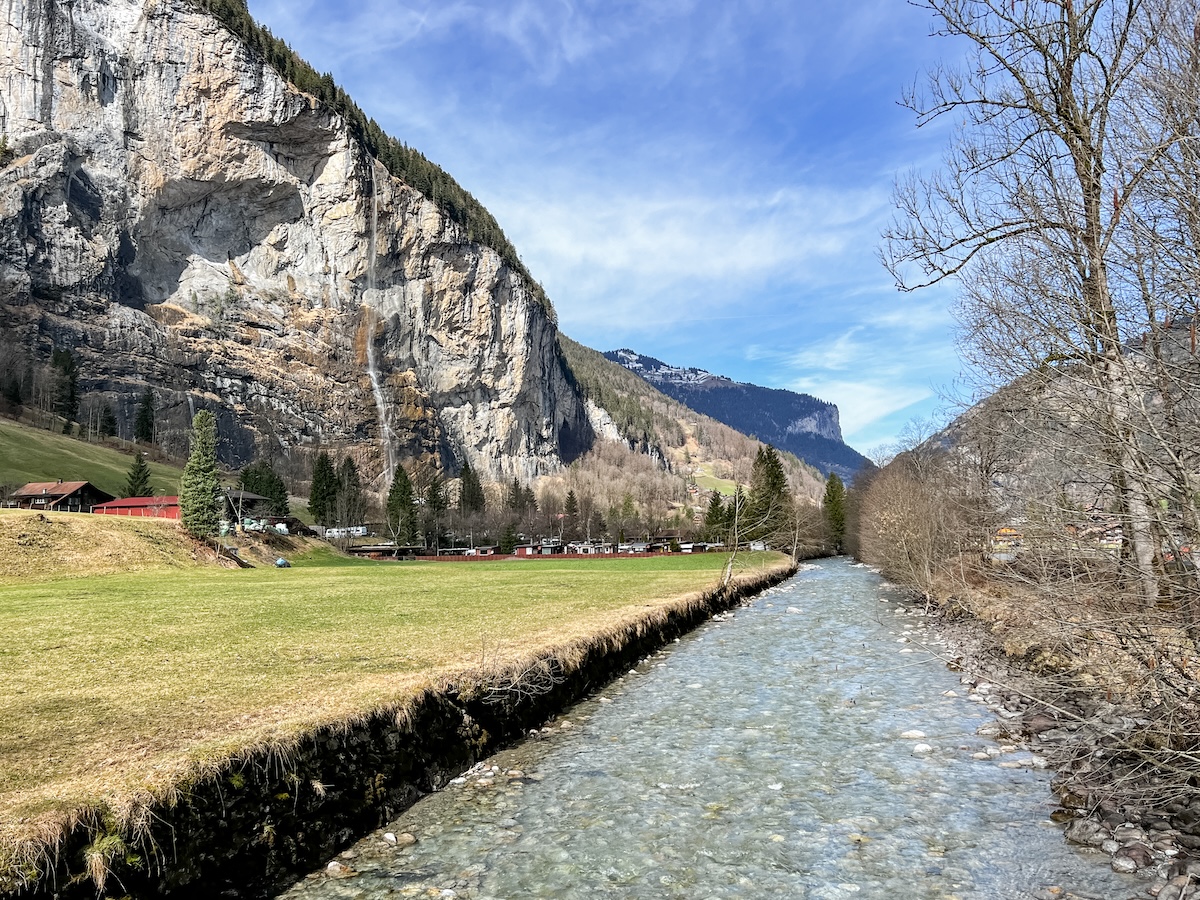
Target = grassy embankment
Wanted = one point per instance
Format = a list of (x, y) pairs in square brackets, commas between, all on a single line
[(122, 684)]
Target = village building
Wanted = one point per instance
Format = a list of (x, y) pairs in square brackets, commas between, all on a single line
[(140, 507), (59, 496)]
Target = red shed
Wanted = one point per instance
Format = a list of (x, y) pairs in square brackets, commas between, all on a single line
[(143, 507)]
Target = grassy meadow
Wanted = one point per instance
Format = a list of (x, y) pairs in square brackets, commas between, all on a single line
[(121, 683), (31, 454)]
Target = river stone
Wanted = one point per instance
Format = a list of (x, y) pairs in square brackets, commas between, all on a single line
[(1086, 832), (1139, 853), (339, 870), (1124, 864), (404, 839), (913, 735), (1054, 892), (922, 748)]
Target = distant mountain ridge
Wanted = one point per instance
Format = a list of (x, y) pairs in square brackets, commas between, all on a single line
[(802, 424)]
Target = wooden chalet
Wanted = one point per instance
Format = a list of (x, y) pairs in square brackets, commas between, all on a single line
[(59, 496)]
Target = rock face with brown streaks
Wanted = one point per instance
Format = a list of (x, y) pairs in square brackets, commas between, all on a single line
[(181, 217)]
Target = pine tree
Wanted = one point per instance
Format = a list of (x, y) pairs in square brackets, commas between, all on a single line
[(714, 518), (137, 482), (769, 502), (12, 391), (471, 499), (66, 385), (514, 499), (108, 422), (834, 509), (260, 478), (435, 506), (401, 510), (143, 422), (508, 539), (735, 517), (571, 509), (200, 498), (349, 506), (322, 496)]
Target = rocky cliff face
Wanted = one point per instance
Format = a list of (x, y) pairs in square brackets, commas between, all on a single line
[(181, 217)]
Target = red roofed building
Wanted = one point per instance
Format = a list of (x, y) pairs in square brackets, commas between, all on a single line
[(59, 496), (140, 507)]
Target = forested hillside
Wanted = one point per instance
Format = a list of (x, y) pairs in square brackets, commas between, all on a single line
[(647, 418)]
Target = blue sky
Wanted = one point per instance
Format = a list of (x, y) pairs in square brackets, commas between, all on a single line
[(703, 181)]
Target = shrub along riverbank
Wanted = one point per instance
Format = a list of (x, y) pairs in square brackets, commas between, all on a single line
[(126, 693)]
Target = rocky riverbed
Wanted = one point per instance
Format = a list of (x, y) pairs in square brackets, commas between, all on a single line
[(1110, 801), (812, 744)]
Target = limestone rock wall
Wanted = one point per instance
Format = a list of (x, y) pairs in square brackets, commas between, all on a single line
[(182, 218)]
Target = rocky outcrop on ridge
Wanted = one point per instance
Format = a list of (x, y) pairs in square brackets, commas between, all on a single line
[(180, 217)]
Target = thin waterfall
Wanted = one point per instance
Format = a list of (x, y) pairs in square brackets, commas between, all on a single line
[(386, 436)]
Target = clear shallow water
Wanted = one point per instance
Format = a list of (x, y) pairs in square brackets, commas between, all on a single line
[(760, 756)]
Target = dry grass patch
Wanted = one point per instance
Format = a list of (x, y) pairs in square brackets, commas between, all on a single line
[(41, 547), (119, 686)]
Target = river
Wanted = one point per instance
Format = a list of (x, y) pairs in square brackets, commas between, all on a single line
[(763, 755)]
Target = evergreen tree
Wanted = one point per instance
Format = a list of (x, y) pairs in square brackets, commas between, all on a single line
[(571, 509), (508, 539), (108, 422), (769, 502), (137, 482), (714, 518), (735, 517), (260, 478), (401, 509), (471, 499), (349, 505), (143, 422), (12, 391), (322, 496), (529, 502), (514, 498), (200, 498), (66, 385), (435, 506), (834, 509)]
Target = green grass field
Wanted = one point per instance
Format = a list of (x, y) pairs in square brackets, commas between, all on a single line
[(31, 454), (120, 683), (725, 486)]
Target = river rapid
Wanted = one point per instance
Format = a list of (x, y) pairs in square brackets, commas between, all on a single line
[(807, 745)]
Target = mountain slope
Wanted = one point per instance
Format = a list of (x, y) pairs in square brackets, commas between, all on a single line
[(710, 452), (801, 424), (180, 216)]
